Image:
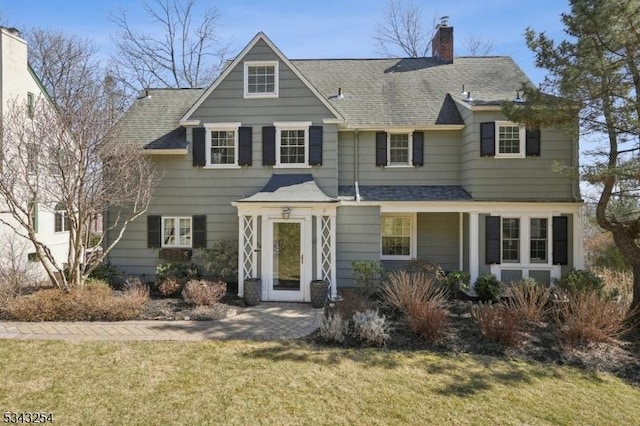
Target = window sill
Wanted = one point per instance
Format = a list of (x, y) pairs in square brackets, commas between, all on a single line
[(221, 167), (384, 257), (261, 96), (292, 166), (509, 156), (399, 166)]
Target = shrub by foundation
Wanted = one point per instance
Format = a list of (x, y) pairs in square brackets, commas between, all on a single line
[(498, 324), (402, 289), (203, 292), (371, 327), (528, 300), (428, 320)]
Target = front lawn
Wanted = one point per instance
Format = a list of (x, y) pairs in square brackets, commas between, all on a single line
[(298, 383)]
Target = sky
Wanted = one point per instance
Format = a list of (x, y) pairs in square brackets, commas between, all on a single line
[(309, 29)]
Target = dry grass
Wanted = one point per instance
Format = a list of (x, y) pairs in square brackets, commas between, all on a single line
[(403, 289), (617, 282), (527, 300), (93, 303), (585, 318), (498, 324), (203, 292), (164, 383), (428, 320)]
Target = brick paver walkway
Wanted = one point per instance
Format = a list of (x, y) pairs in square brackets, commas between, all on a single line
[(267, 321)]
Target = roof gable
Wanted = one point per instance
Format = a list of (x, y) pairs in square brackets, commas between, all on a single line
[(260, 37)]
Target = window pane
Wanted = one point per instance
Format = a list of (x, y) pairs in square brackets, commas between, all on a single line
[(223, 147), (510, 240), (292, 147), (538, 240), (185, 232), (169, 232), (509, 139), (398, 148), (261, 79), (396, 236)]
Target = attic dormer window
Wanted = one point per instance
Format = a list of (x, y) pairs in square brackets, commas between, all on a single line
[(261, 79)]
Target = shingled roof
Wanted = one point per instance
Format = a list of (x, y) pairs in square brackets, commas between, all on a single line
[(410, 91), (153, 120)]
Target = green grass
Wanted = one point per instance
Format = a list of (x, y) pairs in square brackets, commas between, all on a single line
[(295, 383)]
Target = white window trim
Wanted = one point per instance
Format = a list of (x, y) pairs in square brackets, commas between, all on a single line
[(210, 127), (177, 225), (525, 241), (410, 148), (65, 221), (413, 244), (292, 125), (276, 72), (522, 136)]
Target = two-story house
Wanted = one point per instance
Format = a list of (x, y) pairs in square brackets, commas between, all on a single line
[(19, 86), (312, 164)]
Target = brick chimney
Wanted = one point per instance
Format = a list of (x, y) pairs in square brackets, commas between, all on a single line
[(442, 42)]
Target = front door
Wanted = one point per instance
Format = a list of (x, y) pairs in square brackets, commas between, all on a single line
[(287, 261)]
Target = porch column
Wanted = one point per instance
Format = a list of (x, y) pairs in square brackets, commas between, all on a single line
[(325, 250), (578, 240), (247, 254), (474, 252)]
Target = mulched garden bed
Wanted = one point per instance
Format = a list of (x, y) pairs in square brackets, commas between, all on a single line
[(158, 308), (541, 345)]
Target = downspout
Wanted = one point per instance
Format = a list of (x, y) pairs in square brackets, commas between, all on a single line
[(356, 163)]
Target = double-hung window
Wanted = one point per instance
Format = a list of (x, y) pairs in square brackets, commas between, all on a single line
[(511, 240), (510, 139), (292, 144), (397, 236), (222, 145), (176, 232), (523, 234), (61, 220), (399, 147), (539, 240), (261, 79)]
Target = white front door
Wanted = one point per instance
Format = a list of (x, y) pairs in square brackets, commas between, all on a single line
[(288, 261)]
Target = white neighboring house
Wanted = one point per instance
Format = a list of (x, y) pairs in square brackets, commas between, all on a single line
[(19, 82)]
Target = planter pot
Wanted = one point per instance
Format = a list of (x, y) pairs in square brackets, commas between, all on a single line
[(252, 291), (319, 289)]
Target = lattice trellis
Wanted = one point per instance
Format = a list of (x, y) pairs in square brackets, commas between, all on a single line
[(248, 229), (325, 248)]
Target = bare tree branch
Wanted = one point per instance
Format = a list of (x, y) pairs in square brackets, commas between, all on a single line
[(401, 31), (475, 45), (187, 53)]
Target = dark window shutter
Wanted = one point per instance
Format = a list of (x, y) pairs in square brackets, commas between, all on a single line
[(492, 237), (381, 148), (418, 148), (199, 231), (560, 240), (245, 145), (533, 142), (488, 139), (154, 234), (268, 146), (199, 158), (315, 145)]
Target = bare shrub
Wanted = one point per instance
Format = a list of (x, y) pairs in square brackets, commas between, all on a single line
[(498, 324), (618, 284), (428, 320), (585, 318), (136, 289), (94, 303), (203, 292), (430, 269), (371, 327), (333, 328), (528, 300), (170, 287), (401, 289), (353, 301)]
